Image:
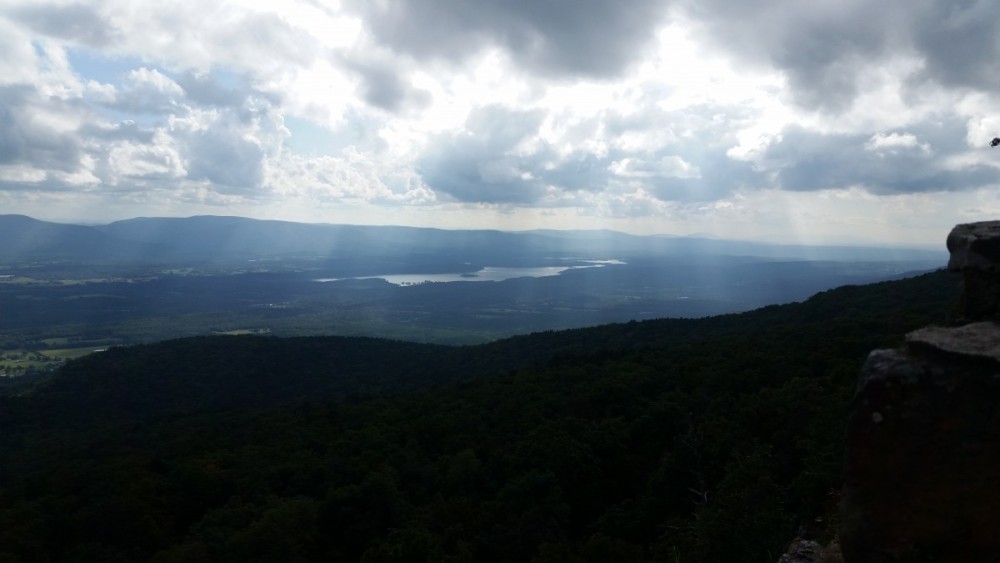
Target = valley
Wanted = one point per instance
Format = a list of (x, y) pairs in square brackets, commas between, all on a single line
[(146, 280), (107, 305)]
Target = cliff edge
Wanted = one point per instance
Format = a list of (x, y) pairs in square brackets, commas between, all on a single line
[(922, 451)]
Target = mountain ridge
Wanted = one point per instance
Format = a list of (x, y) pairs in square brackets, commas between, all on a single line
[(215, 237)]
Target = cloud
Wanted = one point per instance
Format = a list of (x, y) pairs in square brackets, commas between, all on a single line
[(115, 132), (819, 45), (509, 156), (178, 35), (60, 142), (384, 85), (804, 160), (829, 48), (679, 155), (353, 177), (148, 91), (719, 176), (230, 147), (207, 90), (76, 22), (156, 160), (18, 64), (579, 170), (30, 132), (547, 37), (896, 142), (670, 166), (226, 160), (959, 42), (481, 163)]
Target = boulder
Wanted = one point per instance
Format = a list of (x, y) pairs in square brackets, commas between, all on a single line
[(975, 252)]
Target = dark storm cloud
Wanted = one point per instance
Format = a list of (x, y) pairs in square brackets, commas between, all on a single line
[(804, 160), (960, 42), (73, 22), (27, 141), (559, 37)]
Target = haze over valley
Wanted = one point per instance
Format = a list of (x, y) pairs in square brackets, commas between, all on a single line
[(70, 289)]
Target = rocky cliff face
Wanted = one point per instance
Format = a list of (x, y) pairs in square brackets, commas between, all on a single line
[(922, 456)]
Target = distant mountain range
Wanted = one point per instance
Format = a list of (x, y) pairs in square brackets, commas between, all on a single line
[(25, 238), (214, 238)]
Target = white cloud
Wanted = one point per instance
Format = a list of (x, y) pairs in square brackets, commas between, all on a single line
[(149, 91), (156, 160), (669, 166), (896, 141)]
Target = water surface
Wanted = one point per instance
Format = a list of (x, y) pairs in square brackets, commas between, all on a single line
[(489, 273)]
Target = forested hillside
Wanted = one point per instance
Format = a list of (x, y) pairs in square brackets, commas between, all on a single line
[(670, 440)]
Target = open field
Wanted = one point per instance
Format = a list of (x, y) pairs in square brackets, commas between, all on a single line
[(71, 353), (21, 361)]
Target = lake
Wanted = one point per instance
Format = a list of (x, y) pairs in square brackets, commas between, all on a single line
[(489, 273)]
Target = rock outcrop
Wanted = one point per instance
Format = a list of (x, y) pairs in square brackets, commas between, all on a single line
[(922, 456), (975, 252)]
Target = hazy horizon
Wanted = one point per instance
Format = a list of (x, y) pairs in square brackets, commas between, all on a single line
[(940, 247)]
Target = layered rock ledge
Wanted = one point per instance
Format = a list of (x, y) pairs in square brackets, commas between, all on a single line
[(922, 452)]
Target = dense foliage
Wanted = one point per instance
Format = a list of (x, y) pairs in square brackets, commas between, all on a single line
[(670, 440)]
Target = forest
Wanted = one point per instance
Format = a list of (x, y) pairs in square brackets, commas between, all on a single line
[(715, 439)]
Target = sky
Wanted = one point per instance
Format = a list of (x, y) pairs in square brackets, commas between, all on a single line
[(829, 121)]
